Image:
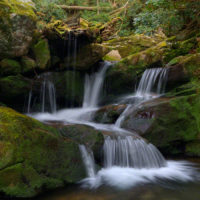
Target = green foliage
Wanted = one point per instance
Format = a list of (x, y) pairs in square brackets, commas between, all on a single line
[(50, 9), (94, 18)]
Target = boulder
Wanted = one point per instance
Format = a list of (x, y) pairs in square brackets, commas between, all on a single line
[(17, 25), (82, 134), (130, 45), (171, 124), (34, 157), (108, 114)]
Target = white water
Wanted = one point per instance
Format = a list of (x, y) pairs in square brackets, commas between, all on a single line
[(93, 86), (88, 160), (130, 152), (152, 83), (125, 177), (128, 160)]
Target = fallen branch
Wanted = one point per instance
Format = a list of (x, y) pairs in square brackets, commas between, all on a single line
[(84, 8)]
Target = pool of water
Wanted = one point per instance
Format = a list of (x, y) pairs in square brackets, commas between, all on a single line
[(161, 189)]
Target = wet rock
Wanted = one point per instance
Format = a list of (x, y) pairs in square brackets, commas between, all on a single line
[(170, 124), (108, 114), (86, 135), (34, 157)]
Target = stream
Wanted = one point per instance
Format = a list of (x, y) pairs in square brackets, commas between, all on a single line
[(132, 168)]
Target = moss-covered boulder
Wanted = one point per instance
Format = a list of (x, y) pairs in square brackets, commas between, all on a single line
[(42, 54), (13, 91), (86, 135), (34, 157), (28, 64), (108, 114), (10, 67), (130, 45), (190, 64), (17, 25), (173, 125), (180, 48)]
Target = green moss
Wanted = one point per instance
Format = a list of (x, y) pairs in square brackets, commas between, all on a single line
[(24, 141), (18, 7), (180, 48), (176, 124), (28, 64), (13, 89), (130, 45), (9, 67), (193, 149), (42, 53)]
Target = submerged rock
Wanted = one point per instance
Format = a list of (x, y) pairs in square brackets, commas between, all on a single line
[(34, 156)]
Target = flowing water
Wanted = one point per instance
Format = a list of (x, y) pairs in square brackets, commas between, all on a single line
[(129, 161), (47, 96), (93, 86)]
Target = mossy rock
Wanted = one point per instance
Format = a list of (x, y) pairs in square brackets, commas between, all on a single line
[(86, 135), (28, 64), (10, 67), (34, 156), (190, 64), (131, 44), (17, 25), (13, 91), (42, 54), (173, 124), (180, 48)]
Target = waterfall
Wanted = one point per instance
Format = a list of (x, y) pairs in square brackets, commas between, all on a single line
[(88, 160), (152, 83), (131, 152), (47, 95), (93, 86)]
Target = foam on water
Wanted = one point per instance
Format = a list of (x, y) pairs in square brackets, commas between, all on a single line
[(125, 178)]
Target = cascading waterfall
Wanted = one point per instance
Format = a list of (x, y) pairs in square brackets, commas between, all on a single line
[(93, 86), (152, 83), (131, 152)]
